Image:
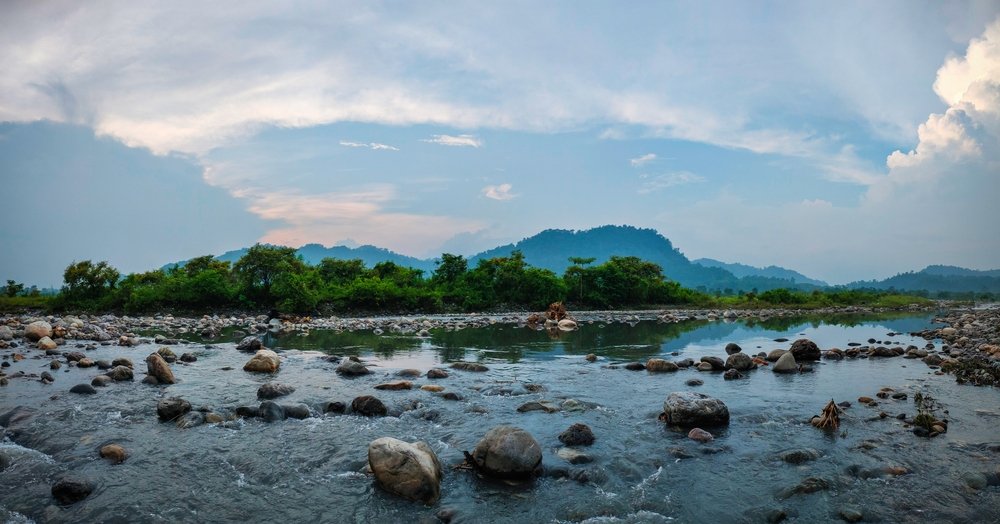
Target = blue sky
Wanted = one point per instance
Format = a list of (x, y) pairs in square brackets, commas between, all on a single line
[(848, 141)]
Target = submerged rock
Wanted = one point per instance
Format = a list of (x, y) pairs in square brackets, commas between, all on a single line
[(410, 470), (83, 389), (352, 368), (659, 365), (70, 490), (437, 373), (114, 453), (687, 408), (800, 456), (172, 408), (271, 411), (368, 406), (547, 407), (395, 385), (469, 366), (273, 390), (507, 452), (700, 435), (574, 456)]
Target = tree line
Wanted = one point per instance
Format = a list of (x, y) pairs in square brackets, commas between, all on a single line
[(273, 278)]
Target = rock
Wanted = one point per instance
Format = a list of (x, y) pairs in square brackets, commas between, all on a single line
[(705, 366), (716, 362), (271, 411), (172, 408), (437, 373), (368, 406), (37, 330), (190, 419), (659, 365), (395, 385), (567, 324), (114, 453), (740, 362), (866, 400), (635, 366), (297, 411), (451, 395), (687, 408), (804, 349), (247, 411), (264, 361), (46, 377), (851, 514), (101, 381), (74, 356), (167, 354), (547, 407), (433, 388), (273, 390), (408, 373), (800, 456), (574, 456), (55, 364), (410, 470), (700, 435), (933, 360), (85, 363), (694, 382), (6, 333), (158, 368), (732, 348), (150, 380), (46, 343), (334, 407), (83, 389), (590, 357), (120, 373), (785, 364), (507, 452), (469, 366), (732, 374), (352, 369), (773, 356), (70, 490), (189, 357), (577, 435), (249, 345)]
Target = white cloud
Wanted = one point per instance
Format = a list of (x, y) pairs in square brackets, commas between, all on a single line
[(499, 192), (655, 183), (456, 141), (642, 160), (370, 145)]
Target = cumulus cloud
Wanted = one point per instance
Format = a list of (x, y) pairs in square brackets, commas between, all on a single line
[(455, 141), (653, 183), (499, 192), (370, 145), (936, 203), (642, 160)]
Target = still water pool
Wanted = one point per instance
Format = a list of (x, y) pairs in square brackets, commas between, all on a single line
[(312, 470)]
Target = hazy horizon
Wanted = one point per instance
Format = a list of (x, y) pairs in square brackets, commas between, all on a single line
[(848, 142)]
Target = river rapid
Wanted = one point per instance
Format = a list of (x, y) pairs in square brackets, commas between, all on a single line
[(640, 470)]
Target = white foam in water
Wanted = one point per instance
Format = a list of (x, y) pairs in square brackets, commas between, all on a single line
[(21, 450), (14, 517), (639, 516)]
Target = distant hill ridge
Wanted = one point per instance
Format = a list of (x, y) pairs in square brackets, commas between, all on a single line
[(552, 248)]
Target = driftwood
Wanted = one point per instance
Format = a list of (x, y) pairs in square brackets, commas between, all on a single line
[(556, 311), (829, 418)]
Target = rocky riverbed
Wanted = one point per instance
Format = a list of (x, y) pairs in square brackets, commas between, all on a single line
[(101, 416)]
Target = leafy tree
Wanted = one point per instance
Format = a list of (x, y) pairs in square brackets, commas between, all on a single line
[(13, 289), (258, 270), (340, 272), (450, 269), (88, 280)]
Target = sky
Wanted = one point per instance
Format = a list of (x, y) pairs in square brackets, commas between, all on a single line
[(847, 140)]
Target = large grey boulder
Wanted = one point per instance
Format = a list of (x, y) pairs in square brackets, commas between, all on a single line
[(410, 470), (740, 362), (785, 364), (687, 408), (35, 331), (507, 452)]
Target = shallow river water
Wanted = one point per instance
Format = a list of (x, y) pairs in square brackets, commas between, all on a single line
[(312, 470)]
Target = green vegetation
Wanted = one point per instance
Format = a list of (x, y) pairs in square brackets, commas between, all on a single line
[(275, 278)]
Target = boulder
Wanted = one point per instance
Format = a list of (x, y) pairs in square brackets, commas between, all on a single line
[(716, 362), (433, 388), (774, 355), (395, 385), (574, 456), (6, 333), (804, 349), (264, 361), (700, 435), (101, 381), (114, 453), (190, 419), (507, 452), (273, 390), (158, 368), (567, 324), (352, 368), (249, 345), (659, 365), (577, 435), (687, 408), (167, 354), (297, 411), (785, 364), (120, 373), (437, 373), (410, 470), (70, 490), (740, 362), (172, 408), (85, 363), (368, 406), (732, 348), (46, 343), (189, 357), (271, 411), (37, 330), (122, 361), (83, 389)]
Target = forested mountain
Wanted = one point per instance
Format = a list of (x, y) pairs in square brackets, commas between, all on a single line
[(743, 270), (938, 279), (312, 254)]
